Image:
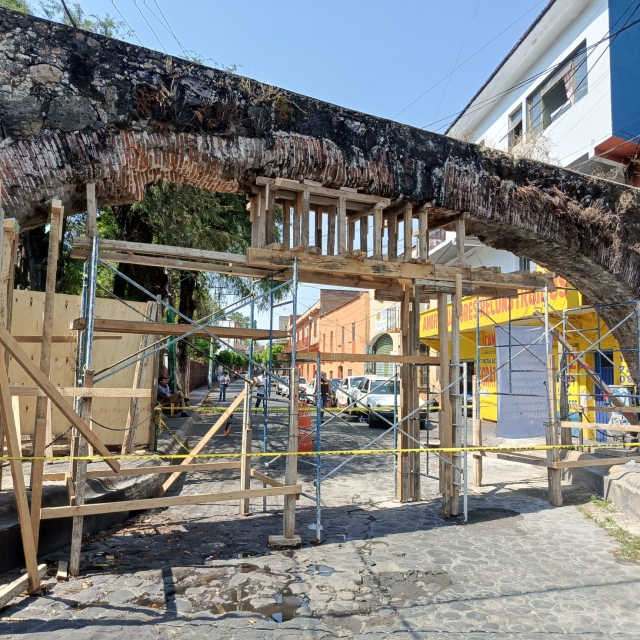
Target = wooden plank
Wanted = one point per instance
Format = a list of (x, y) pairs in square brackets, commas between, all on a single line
[(447, 222), (82, 392), (423, 233), (513, 457), (247, 435), (624, 428), (165, 251), (303, 207), (610, 409), (286, 224), (364, 234), (270, 216), (294, 185), (56, 211), (347, 265), (19, 487), (342, 227), (551, 436), (392, 233), (331, 232), (60, 339), (291, 463), (12, 590), (63, 571), (153, 400), (266, 479), (460, 237), (51, 513), (171, 263), (165, 329), (408, 231), (377, 233), (154, 470), (79, 480), (594, 462), (50, 390), (220, 422), (358, 357)]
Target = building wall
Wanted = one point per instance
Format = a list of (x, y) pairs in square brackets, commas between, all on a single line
[(588, 121)]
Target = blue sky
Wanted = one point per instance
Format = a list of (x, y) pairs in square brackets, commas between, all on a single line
[(376, 56)]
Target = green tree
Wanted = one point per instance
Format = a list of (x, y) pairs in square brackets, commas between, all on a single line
[(15, 5), (55, 11)]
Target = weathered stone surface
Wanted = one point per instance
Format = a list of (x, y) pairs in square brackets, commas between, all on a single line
[(45, 73), (124, 116)]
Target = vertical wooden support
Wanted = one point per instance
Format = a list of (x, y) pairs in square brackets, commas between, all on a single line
[(79, 478), (286, 224), (19, 488), (48, 450), (303, 213), (460, 236), (408, 231), (92, 211), (342, 226), (477, 436), (377, 232), (318, 233), (455, 395), (153, 401), (258, 219), (245, 463), (270, 216), (351, 234), (8, 248), (55, 230), (297, 208), (446, 439), (331, 233), (404, 442), (392, 227), (551, 435), (139, 381), (423, 233), (291, 468), (364, 234), (414, 424)]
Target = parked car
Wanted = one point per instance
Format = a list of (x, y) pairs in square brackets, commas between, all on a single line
[(302, 388), (282, 389), (310, 392), (379, 393), (345, 392)]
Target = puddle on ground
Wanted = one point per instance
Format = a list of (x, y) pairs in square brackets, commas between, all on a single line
[(245, 567), (284, 608), (320, 570)]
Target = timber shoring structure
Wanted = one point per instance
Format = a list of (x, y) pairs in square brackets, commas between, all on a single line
[(319, 245)]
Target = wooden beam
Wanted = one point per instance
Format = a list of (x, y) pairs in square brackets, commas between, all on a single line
[(358, 357), (247, 436), (342, 227), (17, 474), (303, 212), (445, 222), (166, 329), (24, 360), (594, 462), (392, 234), (346, 265), (171, 263), (331, 233), (165, 251), (264, 478), (521, 458), (91, 228), (611, 409), (460, 237), (51, 513), (423, 233), (377, 233), (408, 231), (551, 435), (291, 462), (145, 471), (56, 212), (623, 428), (59, 339), (82, 392), (286, 224), (220, 422), (364, 234), (12, 590)]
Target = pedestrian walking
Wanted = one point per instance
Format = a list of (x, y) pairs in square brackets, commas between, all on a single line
[(224, 383)]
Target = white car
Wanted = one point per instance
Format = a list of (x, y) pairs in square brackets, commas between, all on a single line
[(379, 393), (302, 386), (282, 389), (345, 392)]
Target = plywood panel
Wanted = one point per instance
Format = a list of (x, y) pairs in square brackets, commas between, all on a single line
[(112, 412)]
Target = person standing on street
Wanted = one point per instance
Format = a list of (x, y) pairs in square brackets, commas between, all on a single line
[(224, 383), (325, 392), (258, 381)]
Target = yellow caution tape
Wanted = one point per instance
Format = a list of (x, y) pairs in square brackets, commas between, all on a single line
[(337, 452)]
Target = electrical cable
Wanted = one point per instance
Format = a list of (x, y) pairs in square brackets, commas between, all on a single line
[(131, 29), (135, 2)]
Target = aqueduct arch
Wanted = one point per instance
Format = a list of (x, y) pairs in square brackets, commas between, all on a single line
[(76, 107)]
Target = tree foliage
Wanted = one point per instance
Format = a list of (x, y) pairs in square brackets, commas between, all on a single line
[(54, 10), (232, 360)]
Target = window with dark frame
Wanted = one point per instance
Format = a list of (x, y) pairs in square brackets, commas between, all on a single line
[(524, 264), (515, 128), (564, 88)]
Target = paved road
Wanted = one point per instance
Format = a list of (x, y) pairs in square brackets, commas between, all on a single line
[(519, 568)]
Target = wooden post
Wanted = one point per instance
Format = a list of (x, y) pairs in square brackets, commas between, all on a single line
[(289, 537), (8, 248), (377, 233), (19, 488), (404, 442), (79, 478), (92, 211), (456, 399), (297, 208), (392, 226), (303, 213), (37, 468), (423, 233), (331, 233), (364, 234), (414, 424), (270, 216), (258, 218), (318, 234), (477, 435), (551, 436), (153, 401), (245, 463), (408, 231), (460, 236), (139, 381), (286, 224), (445, 406), (342, 226)]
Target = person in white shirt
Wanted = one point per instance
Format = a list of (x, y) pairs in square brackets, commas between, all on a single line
[(224, 383), (258, 382)]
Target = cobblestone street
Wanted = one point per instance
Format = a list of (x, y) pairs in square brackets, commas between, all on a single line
[(518, 568)]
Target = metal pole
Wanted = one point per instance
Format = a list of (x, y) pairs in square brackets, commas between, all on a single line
[(318, 449), (465, 486), (265, 424), (395, 429), (210, 374)]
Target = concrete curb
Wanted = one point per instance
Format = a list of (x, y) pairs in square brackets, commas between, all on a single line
[(618, 483), (57, 533)]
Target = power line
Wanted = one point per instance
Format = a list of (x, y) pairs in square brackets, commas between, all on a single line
[(131, 29), (165, 24), (135, 2), (473, 55)]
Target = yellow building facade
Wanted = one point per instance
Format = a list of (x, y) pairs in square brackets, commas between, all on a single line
[(480, 317)]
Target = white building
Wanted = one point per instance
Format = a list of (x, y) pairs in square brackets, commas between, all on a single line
[(568, 92)]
